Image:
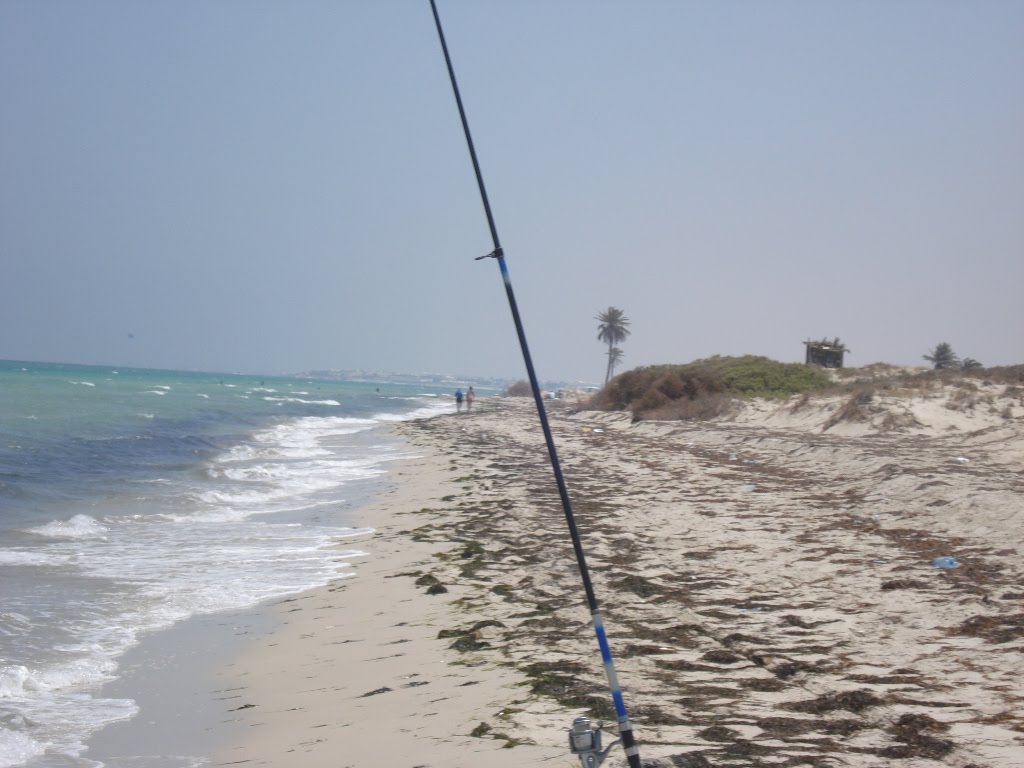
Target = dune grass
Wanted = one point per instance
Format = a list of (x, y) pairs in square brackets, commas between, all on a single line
[(713, 386), (706, 388)]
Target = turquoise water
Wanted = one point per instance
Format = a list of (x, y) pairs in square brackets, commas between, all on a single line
[(132, 499)]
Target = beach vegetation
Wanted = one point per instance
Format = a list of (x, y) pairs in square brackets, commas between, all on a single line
[(468, 643), (915, 732), (472, 567), (849, 701), (856, 409), (472, 549), (942, 357), (564, 681), (519, 389), (612, 329), (481, 730), (705, 388)]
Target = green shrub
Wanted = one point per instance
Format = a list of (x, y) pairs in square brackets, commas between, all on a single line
[(519, 389), (704, 388)]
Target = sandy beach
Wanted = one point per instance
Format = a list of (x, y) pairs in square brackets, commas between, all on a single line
[(768, 581)]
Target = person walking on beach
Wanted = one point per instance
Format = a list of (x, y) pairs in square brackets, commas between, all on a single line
[(458, 400), (470, 396)]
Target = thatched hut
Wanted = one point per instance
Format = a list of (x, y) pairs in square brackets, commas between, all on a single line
[(828, 353)]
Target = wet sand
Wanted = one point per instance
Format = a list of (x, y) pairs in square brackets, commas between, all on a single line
[(767, 583)]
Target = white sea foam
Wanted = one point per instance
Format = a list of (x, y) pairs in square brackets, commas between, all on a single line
[(193, 543), (147, 415), (53, 714), (17, 747), (200, 394), (253, 472), (29, 557), (300, 400), (12, 680), (433, 409), (155, 392), (296, 440), (78, 527), (51, 720), (218, 515), (21, 681)]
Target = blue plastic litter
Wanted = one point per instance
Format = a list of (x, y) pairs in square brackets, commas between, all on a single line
[(945, 562)]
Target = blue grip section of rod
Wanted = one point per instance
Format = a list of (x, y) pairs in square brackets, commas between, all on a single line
[(609, 667)]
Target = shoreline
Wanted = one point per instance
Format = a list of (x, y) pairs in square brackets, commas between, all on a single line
[(768, 590), (172, 675), (355, 674)]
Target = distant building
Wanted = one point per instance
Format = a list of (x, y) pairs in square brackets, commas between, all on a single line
[(828, 353)]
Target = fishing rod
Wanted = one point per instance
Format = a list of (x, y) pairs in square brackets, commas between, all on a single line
[(583, 741)]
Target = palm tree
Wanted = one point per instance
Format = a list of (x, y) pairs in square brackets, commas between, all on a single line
[(615, 355), (943, 356), (613, 328), (969, 364)]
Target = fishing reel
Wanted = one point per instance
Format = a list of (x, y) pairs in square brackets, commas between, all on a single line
[(585, 741)]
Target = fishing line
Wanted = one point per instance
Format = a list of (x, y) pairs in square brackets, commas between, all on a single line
[(625, 727)]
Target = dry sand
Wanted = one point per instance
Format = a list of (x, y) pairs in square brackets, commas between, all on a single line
[(767, 582)]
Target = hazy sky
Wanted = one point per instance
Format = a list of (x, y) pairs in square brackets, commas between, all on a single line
[(256, 186)]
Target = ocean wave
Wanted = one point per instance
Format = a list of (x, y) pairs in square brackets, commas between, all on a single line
[(12, 681), (259, 489), (433, 409), (17, 747), (255, 472), (58, 716), (151, 548), (12, 623), (83, 383), (78, 527), (300, 400), (25, 557), (299, 439), (17, 680), (220, 515)]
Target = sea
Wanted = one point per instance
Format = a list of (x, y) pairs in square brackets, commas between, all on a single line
[(134, 499)]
